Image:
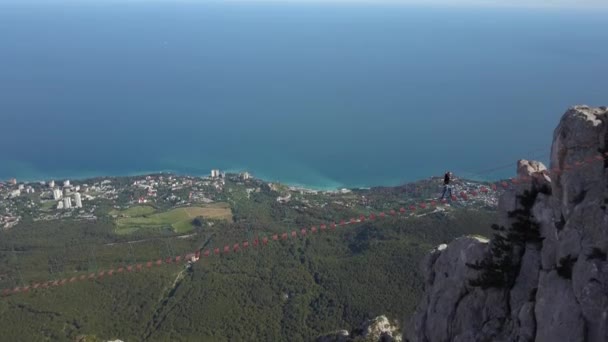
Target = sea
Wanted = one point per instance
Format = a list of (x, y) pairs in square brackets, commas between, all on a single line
[(318, 95)]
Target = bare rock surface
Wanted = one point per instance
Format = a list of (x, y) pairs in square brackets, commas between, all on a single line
[(544, 275), (379, 329)]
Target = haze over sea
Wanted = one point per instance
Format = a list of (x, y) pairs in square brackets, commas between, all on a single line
[(318, 95)]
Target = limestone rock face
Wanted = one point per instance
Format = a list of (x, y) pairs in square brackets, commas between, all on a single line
[(379, 329), (544, 276)]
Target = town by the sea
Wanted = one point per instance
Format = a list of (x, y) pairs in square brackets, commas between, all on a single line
[(318, 95)]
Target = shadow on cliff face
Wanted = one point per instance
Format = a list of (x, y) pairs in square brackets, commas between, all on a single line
[(502, 264)]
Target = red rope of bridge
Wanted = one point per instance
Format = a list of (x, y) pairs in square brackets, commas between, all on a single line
[(303, 232)]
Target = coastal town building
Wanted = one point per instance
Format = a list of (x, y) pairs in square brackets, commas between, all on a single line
[(215, 173), (245, 175), (284, 199), (67, 203), (57, 194), (52, 184), (77, 200), (66, 183)]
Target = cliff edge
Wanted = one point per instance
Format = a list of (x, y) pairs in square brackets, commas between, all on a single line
[(544, 275)]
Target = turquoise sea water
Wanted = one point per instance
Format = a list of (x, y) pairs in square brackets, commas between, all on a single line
[(317, 95)]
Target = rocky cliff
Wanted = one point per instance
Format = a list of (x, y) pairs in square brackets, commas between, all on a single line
[(544, 275), (379, 329)]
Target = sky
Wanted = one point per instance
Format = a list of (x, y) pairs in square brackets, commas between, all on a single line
[(575, 4)]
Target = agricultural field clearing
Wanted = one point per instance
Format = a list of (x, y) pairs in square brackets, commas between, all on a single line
[(180, 219)]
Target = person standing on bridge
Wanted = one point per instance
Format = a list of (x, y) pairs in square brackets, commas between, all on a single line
[(447, 188)]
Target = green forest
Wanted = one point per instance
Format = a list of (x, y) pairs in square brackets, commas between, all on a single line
[(289, 290)]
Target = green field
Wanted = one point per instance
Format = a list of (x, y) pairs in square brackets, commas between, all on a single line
[(139, 210), (180, 219), (48, 205)]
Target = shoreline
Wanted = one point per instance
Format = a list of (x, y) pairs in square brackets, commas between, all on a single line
[(293, 185), (81, 178)]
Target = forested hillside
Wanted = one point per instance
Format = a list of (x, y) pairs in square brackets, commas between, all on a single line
[(294, 289)]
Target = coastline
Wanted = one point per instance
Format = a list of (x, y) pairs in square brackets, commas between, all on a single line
[(88, 176), (294, 185)]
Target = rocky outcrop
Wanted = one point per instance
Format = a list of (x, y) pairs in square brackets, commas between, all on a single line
[(544, 275), (379, 329)]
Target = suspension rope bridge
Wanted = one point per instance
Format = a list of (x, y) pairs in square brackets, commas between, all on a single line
[(258, 242)]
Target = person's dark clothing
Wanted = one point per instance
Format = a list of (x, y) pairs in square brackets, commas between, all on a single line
[(447, 189)]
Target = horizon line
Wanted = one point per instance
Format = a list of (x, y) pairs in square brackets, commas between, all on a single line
[(517, 4)]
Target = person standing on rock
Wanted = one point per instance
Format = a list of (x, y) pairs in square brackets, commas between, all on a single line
[(447, 188)]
